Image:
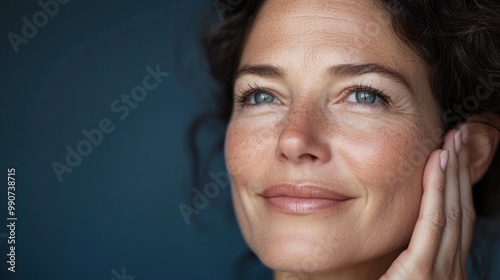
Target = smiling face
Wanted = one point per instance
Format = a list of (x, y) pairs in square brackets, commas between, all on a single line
[(329, 105)]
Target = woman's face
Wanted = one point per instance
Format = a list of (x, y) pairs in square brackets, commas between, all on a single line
[(325, 153)]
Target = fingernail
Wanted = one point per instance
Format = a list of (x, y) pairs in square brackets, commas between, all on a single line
[(458, 141), (465, 133), (444, 156)]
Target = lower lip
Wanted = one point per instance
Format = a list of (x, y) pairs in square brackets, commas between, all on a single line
[(296, 205)]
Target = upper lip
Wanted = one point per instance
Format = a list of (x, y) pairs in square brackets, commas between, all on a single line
[(303, 191)]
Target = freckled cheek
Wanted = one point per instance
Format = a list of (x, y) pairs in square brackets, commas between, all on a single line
[(246, 148)]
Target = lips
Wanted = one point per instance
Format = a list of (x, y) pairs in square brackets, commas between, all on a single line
[(293, 199)]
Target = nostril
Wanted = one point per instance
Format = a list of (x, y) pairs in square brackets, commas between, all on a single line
[(308, 157), (302, 146)]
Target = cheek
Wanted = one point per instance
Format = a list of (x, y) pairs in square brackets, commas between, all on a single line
[(381, 159), (247, 147), (241, 149), (388, 151), (387, 161)]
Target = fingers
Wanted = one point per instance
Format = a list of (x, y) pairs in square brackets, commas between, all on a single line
[(442, 236), (426, 238), (444, 230), (452, 235)]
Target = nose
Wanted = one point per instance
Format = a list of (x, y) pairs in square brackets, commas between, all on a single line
[(303, 137)]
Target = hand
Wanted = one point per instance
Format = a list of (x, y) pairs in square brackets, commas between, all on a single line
[(442, 236)]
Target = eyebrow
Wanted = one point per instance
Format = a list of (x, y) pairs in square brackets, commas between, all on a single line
[(341, 70)]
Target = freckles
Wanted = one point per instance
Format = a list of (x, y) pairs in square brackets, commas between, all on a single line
[(406, 174), (236, 151), (246, 149)]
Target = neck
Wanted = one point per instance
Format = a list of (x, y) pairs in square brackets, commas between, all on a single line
[(372, 269)]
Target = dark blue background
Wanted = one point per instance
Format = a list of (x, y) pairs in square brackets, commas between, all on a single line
[(119, 207)]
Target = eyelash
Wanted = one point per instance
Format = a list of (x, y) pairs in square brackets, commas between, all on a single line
[(386, 100), (242, 100)]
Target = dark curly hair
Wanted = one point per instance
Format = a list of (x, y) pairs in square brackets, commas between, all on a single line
[(458, 39)]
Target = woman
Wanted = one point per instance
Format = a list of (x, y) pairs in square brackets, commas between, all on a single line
[(357, 131)]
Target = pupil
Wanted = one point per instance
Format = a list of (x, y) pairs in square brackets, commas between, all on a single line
[(263, 98), (365, 97)]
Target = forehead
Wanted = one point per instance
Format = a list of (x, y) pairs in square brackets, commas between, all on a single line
[(325, 33)]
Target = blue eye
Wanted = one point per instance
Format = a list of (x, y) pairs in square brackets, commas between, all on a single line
[(256, 96), (262, 97), (365, 97)]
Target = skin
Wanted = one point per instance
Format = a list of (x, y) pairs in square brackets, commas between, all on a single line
[(315, 132)]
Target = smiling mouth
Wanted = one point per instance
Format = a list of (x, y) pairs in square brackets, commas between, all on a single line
[(292, 199)]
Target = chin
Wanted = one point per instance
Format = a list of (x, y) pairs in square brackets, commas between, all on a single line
[(320, 252), (301, 254), (297, 261)]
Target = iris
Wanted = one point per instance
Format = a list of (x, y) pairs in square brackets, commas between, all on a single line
[(263, 97), (365, 97)]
